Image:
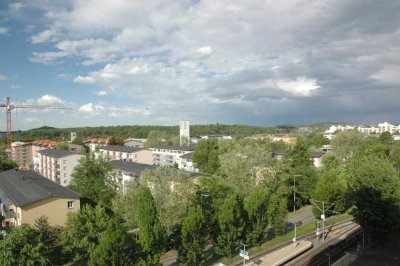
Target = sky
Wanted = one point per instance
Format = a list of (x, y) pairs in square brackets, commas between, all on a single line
[(260, 62)]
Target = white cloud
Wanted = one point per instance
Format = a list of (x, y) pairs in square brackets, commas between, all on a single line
[(3, 30), (2, 77), (84, 80), (43, 36), (204, 52), (302, 86), (32, 120), (101, 93), (49, 99), (389, 73)]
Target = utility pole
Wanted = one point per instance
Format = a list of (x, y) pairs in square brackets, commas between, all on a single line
[(323, 210), (294, 206)]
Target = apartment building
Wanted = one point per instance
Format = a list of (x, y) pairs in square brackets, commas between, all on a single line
[(129, 154), (21, 153), (57, 165), (185, 162), (380, 128), (127, 172), (26, 196), (168, 155)]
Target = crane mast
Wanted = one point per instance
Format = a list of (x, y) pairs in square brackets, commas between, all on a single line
[(9, 107)]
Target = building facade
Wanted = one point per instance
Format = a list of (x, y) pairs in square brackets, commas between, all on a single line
[(57, 165), (168, 155), (184, 133), (129, 154)]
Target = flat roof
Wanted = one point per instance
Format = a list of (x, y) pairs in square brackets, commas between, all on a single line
[(56, 153), (131, 166), (172, 147), (120, 148)]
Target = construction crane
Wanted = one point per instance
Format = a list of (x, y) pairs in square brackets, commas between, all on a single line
[(9, 107)]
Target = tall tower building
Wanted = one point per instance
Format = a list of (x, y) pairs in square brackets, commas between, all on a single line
[(184, 133)]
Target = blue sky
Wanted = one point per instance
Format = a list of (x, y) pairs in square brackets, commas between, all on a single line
[(157, 62)]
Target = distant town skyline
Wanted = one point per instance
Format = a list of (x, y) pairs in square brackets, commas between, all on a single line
[(260, 63)]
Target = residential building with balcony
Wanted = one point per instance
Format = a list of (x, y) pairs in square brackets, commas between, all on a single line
[(25, 196), (21, 153), (129, 154), (168, 155), (94, 143), (185, 162), (127, 172), (57, 165)]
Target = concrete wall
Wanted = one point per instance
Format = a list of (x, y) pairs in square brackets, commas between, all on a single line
[(55, 208), (144, 156)]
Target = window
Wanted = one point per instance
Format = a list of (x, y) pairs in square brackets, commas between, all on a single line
[(70, 204)]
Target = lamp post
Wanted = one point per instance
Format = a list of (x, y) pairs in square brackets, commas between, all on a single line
[(294, 206)]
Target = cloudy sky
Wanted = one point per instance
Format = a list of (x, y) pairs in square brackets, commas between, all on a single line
[(157, 62)]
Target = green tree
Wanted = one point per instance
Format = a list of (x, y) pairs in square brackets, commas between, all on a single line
[(93, 179), (205, 156), (374, 188), (329, 161), (277, 212), (346, 144), (173, 192), (151, 235), (231, 226), (62, 146), (394, 155), (117, 247), (247, 164), (193, 238), (256, 205), (26, 245), (331, 187), (6, 164), (386, 138), (82, 231), (299, 155)]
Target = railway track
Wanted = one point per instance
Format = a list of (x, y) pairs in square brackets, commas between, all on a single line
[(256, 257)]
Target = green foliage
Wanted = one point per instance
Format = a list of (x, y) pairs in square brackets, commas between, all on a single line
[(26, 245), (386, 138), (316, 141), (231, 225), (306, 179), (277, 212), (300, 154), (346, 144), (331, 187), (173, 192), (156, 137), (125, 206), (205, 156), (394, 155), (6, 164), (93, 179), (375, 190), (116, 247), (193, 238), (329, 161), (256, 205), (372, 146), (82, 231), (247, 164), (62, 146), (151, 235)]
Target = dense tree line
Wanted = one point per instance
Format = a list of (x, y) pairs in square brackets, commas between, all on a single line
[(137, 131)]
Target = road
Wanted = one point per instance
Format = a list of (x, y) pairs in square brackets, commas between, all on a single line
[(303, 215)]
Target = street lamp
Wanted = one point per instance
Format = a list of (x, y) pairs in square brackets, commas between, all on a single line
[(294, 206)]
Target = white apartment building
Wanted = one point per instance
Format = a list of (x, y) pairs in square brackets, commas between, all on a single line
[(57, 165), (185, 163), (168, 155), (128, 172), (184, 132), (129, 154), (380, 128)]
